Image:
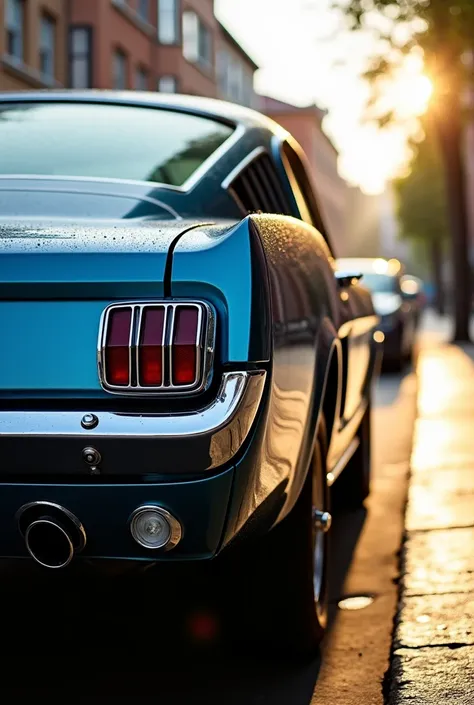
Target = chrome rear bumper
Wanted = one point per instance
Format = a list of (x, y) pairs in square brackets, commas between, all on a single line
[(55, 443)]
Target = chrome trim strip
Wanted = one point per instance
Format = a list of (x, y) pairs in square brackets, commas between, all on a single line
[(100, 179), (342, 462), (130, 344), (204, 347), (242, 165), (213, 434), (216, 156)]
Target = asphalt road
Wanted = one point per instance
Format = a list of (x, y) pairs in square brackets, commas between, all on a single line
[(89, 645)]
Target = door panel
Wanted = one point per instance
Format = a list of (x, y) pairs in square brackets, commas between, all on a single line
[(359, 342)]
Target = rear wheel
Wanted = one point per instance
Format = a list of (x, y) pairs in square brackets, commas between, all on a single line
[(353, 486), (285, 573)]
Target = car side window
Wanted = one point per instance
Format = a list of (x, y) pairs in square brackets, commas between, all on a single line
[(301, 186)]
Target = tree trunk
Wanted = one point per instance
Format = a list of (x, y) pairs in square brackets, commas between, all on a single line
[(437, 272), (449, 120)]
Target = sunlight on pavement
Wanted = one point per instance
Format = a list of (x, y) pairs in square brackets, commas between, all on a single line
[(358, 602)]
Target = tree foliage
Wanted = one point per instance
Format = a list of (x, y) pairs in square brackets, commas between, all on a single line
[(427, 22), (442, 31), (421, 196)]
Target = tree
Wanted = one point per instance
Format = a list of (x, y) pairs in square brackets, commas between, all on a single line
[(422, 209), (444, 32)]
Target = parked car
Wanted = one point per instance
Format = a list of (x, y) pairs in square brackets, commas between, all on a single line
[(413, 290), (184, 372), (398, 309)]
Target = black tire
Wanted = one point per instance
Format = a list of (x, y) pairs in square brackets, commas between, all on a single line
[(276, 591), (353, 486)]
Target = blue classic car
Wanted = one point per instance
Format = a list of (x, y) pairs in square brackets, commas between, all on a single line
[(184, 373)]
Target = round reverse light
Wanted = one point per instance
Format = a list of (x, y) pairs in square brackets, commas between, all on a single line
[(154, 527)]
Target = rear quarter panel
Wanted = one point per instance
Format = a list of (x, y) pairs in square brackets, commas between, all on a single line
[(279, 308), (56, 278)]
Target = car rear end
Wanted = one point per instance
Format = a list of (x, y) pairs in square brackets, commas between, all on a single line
[(122, 407)]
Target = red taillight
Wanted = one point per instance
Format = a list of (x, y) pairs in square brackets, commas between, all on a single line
[(185, 346), (117, 351), (156, 347), (151, 347)]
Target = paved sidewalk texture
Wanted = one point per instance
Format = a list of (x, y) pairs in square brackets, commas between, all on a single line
[(433, 651)]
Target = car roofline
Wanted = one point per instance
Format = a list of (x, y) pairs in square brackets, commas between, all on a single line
[(211, 108)]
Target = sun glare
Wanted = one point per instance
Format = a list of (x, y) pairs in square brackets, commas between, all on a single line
[(411, 94), (329, 73), (375, 156)]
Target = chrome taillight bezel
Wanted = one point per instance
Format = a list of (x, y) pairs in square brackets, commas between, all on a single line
[(205, 342)]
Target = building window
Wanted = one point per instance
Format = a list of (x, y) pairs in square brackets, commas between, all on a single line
[(120, 70), (141, 79), (80, 57), (234, 79), (47, 42), (143, 10), (205, 45), (222, 69), (197, 40), (14, 20), (168, 25), (167, 84)]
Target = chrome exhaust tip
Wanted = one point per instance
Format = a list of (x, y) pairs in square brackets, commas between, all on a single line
[(48, 543), (52, 533)]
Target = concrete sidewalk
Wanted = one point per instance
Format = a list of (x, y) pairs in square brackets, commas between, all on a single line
[(432, 659)]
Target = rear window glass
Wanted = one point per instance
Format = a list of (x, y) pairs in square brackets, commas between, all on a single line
[(105, 141)]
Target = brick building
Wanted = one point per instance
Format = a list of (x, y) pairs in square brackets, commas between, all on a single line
[(165, 45), (234, 69), (33, 44)]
